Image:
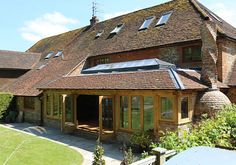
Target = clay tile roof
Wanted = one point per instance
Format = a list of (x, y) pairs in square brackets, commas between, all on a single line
[(18, 60), (130, 80), (183, 25), (224, 28), (157, 79), (27, 84), (191, 80), (77, 45)]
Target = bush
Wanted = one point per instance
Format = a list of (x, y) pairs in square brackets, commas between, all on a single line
[(140, 141), (128, 157), (6, 104), (219, 130), (98, 154)]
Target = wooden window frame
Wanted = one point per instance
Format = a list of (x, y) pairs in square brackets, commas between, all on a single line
[(51, 98), (190, 110), (129, 129), (171, 97), (190, 61)]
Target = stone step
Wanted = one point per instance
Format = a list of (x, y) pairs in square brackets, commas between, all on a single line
[(86, 134)]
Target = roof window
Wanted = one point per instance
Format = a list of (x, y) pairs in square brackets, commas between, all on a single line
[(99, 34), (117, 29), (164, 18), (49, 55), (147, 23), (59, 53)]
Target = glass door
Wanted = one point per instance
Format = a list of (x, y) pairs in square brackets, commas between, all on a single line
[(107, 113)]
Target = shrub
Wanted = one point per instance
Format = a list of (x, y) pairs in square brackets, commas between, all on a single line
[(128, 157), (6, 101), (142, 140), (98, 154), (219, 130)]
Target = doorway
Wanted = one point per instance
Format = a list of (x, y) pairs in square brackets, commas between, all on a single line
[(88, 113)]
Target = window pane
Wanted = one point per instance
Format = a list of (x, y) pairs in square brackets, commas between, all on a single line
[(29, 102), (60, 105), (184, 107), (124, 112), (48, 105), (164, 18), (196, 55), (55, 105), (146, 23), (135, 112), (192, 54), (68, 109), (166, 108), (148, 113)]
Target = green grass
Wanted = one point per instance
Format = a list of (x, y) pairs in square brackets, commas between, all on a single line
[(21, 149)]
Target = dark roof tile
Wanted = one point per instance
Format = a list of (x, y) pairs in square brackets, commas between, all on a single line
[(18, 60)]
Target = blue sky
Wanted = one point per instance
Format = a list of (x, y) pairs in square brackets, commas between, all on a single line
[(23, 22)]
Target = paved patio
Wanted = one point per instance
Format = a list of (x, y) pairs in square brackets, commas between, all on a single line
[(84, 146)]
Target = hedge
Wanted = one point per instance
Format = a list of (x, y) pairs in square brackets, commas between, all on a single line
[(7, 106)]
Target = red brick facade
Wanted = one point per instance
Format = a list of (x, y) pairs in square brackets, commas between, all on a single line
[(171, 53), (227, 57), (231, 94)]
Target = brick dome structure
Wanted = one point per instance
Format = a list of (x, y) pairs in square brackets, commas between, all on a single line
[(210, 102)]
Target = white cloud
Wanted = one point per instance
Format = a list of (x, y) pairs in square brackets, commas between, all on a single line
[(225, 12), (47, 25)]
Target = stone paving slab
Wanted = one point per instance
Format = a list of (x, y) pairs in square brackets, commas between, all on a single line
[(84, 146)]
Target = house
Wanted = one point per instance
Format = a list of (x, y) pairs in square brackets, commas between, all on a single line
[(15, 64), (153, 69)]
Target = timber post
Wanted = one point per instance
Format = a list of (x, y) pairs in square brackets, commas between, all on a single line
[(162, 154)]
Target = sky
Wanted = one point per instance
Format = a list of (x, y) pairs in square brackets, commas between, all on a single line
[(24, 22)]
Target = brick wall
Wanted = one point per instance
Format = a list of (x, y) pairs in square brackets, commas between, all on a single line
[(209, 53), (30, 115), (227, 58), (172, 54), (232, 94)]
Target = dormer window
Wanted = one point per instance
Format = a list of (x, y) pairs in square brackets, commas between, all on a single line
[(164, 18), (147, 23), (59, 53), (49, 55), (99, 34), (117, 29)]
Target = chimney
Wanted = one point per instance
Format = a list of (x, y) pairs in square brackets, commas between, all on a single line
[(209, 54), (94, 21)]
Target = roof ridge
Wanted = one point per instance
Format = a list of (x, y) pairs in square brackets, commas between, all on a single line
[(19, 52), (199, 9)]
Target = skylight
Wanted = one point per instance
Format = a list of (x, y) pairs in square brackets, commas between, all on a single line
[(164, 18), (59, 53), (99, 34), (49, 55), (117, 29), (146, 23), (137, 65)]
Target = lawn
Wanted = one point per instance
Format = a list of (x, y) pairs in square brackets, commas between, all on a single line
[(17, 148)]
